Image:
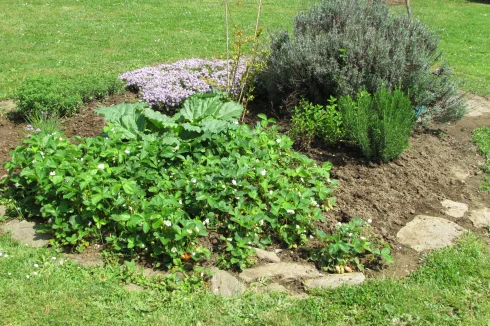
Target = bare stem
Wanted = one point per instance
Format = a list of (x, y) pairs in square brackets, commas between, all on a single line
[(409, 11), (254, 43), (227, 46)]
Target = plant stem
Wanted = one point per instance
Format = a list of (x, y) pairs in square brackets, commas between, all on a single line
[(409, 11), (227, 47), (254, 43)]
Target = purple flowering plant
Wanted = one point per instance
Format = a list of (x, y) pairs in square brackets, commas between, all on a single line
[(165, 87)]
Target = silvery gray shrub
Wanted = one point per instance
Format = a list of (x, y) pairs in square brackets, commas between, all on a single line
[(339, 47)]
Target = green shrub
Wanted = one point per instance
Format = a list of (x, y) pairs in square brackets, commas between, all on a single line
[(62, 97), (155, 185), (342, 46), (381, 124), (46, 96), (96, 87), (315, 121)]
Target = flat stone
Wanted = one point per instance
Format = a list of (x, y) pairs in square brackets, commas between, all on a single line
[(454, 209), (7, 106), (151, 272), (477, 105), (131, 287), (271, 257), (25, 232), (86, 260), (332, 281), (428, 232), (281, 270), (275, 287), (480, 217), (225, 284), (2, 211), (460, 173)]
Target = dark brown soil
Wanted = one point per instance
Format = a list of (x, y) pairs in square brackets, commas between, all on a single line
[(441, 163)]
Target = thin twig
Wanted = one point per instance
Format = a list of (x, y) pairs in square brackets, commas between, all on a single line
[(409, 11), (240, 98), (227, 47)]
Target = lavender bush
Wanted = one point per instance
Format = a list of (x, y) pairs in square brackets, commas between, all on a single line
[(166, 86)]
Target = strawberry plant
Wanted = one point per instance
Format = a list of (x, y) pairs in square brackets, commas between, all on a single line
[(154, 185), (346, 245)]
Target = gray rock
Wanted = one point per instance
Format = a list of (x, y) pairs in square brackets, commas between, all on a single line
[(480, 217), (477, 105), (268, 256), (454, 209), (225, 284), (281, 270), (7, 106), (332, 281), (150, 272), (86, 260), (273, 287), (131, 287), (25, 232), (459, 173), (2, 211), (428, 232)]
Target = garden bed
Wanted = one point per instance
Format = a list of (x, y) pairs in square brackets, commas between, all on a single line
[(441, 163)]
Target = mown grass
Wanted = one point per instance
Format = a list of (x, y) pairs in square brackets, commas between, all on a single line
[(451, 288), (103, 37), (69, 37), (481, 137), (463, 27)]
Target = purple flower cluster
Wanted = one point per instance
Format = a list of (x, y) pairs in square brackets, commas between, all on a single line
[(166, 86), (30, 128)]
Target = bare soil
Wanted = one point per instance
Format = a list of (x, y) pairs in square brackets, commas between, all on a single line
[(441, 163)]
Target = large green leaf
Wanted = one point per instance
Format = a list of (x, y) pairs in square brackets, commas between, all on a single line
[(159, 120), (127, 118), (196, 109), (230, 111)]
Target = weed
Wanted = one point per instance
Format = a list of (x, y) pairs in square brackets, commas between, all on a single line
[(349, 244)]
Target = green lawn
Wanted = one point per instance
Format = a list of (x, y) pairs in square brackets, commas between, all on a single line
[(451, 288), (71, 37), (463, 26)]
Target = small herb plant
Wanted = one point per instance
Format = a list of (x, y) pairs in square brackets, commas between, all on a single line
[(53, 97), (316, 121), (349, 244), (154, 185), (380, 124)]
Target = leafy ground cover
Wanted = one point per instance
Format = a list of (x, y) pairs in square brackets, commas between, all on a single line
[(155, 184), (450, 288), (66, 38), (462, 26)]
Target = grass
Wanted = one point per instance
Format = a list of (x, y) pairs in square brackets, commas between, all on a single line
[(449, 289), (66, 37), (70, 37), (481, 137), (463, 27)]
